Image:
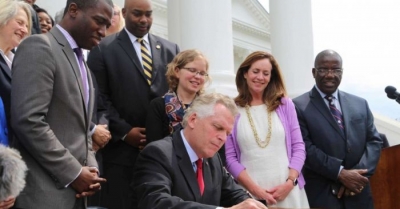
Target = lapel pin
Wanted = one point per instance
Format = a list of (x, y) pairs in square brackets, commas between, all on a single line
[(158, 46)]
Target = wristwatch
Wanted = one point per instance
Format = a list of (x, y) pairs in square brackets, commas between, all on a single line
[(293, 180)]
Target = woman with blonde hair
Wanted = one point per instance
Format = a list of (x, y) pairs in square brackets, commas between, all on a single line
[(15, 25), (186, 76), (117, 21), (265, 152)]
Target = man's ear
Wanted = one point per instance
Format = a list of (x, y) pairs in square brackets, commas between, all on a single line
[(124, 12), (192, 120), (73, 10)]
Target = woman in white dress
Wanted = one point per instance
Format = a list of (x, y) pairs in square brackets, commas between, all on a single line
[(265, 152)]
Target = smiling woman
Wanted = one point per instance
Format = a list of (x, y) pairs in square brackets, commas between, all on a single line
[(186, 76), (15, 24), (45, 20), (265, 152)]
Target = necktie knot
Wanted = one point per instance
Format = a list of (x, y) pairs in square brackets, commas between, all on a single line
[(199, 164), (140, 40), (79, 54), (78, 51), (329, 98)]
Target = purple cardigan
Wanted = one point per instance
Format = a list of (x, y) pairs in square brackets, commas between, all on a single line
[(294, 142)]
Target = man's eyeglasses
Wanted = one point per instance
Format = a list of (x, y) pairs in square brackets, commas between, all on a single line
[(325, 71), (195, 72)]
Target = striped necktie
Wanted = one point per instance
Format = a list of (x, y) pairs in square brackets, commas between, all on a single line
[(335, 112), (146, 60)]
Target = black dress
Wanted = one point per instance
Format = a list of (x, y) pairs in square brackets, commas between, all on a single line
[(157, 121)]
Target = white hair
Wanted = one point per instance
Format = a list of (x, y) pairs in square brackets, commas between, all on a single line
[(12, 173), (9, 9), (203, 105)]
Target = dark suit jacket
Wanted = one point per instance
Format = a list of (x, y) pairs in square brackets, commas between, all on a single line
[(328, 148), (5, 93), (50, 120), (164, 178), (35, 29), (125, 91)]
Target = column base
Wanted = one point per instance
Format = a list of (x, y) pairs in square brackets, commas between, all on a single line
[(224, 83)]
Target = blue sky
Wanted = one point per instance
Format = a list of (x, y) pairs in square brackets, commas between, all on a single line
[(366, 33)]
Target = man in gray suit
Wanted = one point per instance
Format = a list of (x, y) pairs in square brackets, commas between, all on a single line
[(342, 143), (52, 102)]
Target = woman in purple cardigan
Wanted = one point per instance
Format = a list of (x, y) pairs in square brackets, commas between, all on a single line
[(265, 152)]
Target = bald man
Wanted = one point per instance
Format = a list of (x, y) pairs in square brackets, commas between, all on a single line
[(342, 143), (127, 86)]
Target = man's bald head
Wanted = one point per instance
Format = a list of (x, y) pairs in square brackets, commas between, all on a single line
[(138, 16), (327, 52)]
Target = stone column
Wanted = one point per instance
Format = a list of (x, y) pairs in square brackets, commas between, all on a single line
[(206, 25), (292, 43)]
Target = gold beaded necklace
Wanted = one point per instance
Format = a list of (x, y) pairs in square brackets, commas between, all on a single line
[(260, 143)]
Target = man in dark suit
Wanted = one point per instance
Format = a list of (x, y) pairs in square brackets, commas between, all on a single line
[(342, 143), (127, 89), (35, 29), (52, 101), (184, 171)]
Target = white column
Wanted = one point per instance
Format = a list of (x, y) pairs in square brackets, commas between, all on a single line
[(292, 43), (206, 25)]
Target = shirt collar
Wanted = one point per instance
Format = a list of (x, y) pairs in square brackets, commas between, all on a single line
[(192, 155), (133, 38), (68, 36), (334, 94), (7, 57)]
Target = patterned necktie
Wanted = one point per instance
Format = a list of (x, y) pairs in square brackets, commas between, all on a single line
[(199, 174), (146, 60), (335, 112), (78, 52)]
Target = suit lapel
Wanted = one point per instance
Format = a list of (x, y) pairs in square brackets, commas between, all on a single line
[(208, 184), (320, 105), (91, 93), (155, 46), (4, 67), (70, 55), (347, 108), (127, 46), (186, 166)]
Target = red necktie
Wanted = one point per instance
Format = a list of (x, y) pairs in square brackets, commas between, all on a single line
[(199, 174)]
